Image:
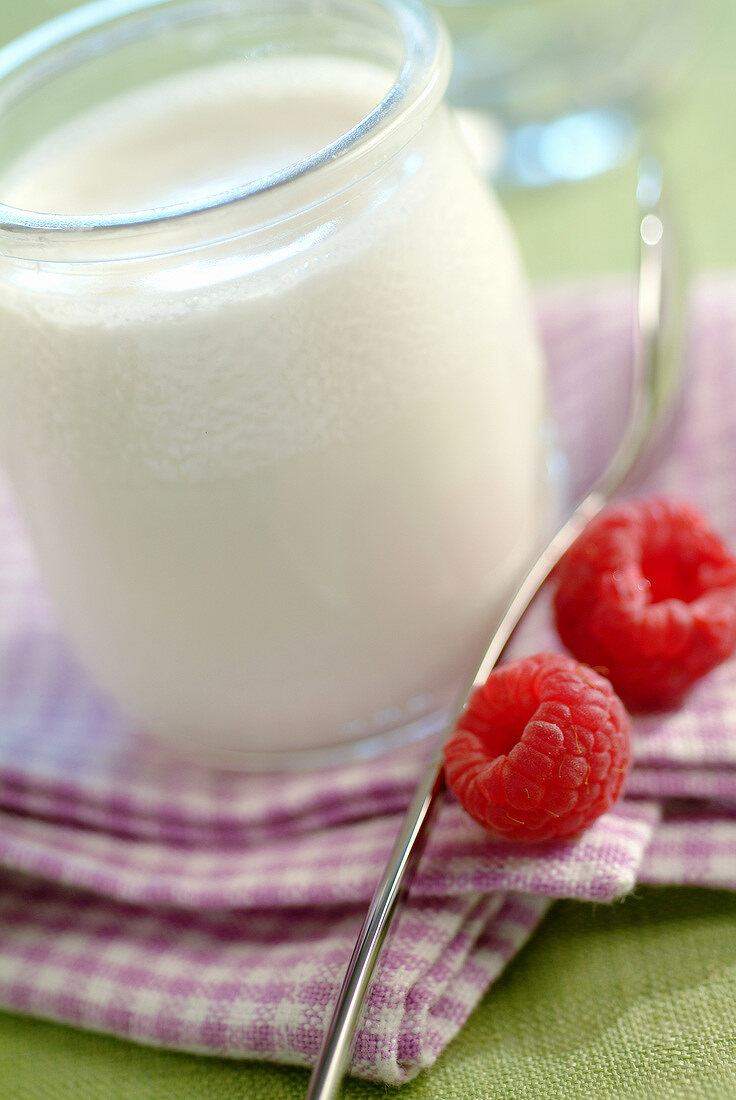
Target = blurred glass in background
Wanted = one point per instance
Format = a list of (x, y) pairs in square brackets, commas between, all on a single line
[(555, 90)]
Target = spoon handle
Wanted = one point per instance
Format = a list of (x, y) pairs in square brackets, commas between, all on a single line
[(646, 412), (415, 828)]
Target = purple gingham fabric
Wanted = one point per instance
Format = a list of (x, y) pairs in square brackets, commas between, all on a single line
[(214, 912), (259, 982), (329, 867)]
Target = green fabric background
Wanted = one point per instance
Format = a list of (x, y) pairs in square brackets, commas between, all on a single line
[(635, 1000)]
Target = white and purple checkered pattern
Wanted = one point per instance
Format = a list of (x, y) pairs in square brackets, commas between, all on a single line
[(214, 912), (258, 983)]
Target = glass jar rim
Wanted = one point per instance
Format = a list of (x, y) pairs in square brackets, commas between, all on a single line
[(420, 82)]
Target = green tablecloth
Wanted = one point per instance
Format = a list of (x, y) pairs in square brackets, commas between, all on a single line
[(631, 1000), (635, 1000)]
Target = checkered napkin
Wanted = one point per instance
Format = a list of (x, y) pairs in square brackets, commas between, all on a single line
[(215, 912)]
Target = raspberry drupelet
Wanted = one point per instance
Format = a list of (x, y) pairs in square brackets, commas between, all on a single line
[(541, 751), (647, 595)]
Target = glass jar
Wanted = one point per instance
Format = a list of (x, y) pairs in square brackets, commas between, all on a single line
[(270, 396)]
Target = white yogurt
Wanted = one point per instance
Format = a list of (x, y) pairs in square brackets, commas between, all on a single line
[(278, 493)]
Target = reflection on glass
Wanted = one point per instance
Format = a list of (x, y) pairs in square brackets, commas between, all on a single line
[(556, 89)]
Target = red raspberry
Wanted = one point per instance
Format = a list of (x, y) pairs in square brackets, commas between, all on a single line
[(647, 595), (541, 751)]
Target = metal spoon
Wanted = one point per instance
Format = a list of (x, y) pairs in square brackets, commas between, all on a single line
[(655, 386)]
